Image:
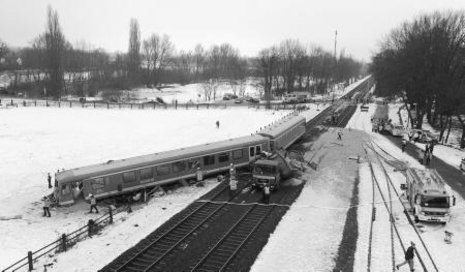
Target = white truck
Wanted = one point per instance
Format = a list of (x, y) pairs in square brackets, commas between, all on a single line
[(428, 195)]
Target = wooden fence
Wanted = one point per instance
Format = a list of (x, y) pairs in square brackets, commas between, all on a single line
[(66, 241)]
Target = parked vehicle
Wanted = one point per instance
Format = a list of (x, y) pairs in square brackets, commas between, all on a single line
[(397, 130), (229, 96), (364, 108), (290, 98), (423, 136), (252, 100), (428, 196)]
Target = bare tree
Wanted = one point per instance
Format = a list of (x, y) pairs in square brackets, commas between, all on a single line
[(134, 49), (55, 44), (158, 51), (3, 49)]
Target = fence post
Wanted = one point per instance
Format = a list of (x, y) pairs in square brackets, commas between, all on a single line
[(35, 103), (63, 241), (29, 260), (90, 227), (110, 211), (59, 104)]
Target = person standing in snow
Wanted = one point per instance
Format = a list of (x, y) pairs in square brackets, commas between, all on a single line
[(49, 179), (217, 124), (46, 206), (93, 203), (404, 144), (409, 255), (339, 135)]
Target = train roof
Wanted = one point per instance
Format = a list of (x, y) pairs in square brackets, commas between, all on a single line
[(281, 126), (160, 157)]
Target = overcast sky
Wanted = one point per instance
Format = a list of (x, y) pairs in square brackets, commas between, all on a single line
[(249, 25)]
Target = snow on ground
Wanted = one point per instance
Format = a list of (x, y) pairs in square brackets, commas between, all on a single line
[(446, 256), (314, 110), (308, 236), (35, 141), (194, 92)]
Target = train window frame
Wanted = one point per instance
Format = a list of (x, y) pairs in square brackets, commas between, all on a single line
[(193, 164), (163, 167), (143, 174), (65, 189), (208, 160), (131, 179), (221, 157), (252, 151), (176, 168), (237, 154), (98, 184), (258, 149)]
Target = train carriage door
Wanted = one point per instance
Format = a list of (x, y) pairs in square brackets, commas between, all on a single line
[(252, 153), (65, 194), (258, 149)]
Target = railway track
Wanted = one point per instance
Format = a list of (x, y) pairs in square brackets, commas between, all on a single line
[(219, 256), (406, 230), (150, 251)]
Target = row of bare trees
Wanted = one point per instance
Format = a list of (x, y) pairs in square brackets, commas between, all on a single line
[(423, 61), (291, 65), (52, 66)]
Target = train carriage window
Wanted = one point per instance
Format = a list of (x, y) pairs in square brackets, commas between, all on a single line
[(129, 177), (237, 154), (252, 151), (223, 157), (209, 160), (146, 174), (192, 165), (163, 170), (98, 185), (179, 167), (65, 189), (258, 149)]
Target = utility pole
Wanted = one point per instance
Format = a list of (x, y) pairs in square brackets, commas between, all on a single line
[(335, 45)]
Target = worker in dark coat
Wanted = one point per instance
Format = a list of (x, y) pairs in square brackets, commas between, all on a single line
[(266, 194), (46, 206), (49, 179), (404, 144), (217, 124), (93, 203), (409, 255)]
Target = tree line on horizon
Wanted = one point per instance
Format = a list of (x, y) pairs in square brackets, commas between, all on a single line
[(423, 62), (51, 66)]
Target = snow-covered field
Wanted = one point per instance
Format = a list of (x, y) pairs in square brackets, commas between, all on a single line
[(35, 141)]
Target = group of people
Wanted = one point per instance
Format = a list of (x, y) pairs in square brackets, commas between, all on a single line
[(428, 153)]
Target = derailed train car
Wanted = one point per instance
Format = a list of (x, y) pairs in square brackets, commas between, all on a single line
[(117, 177)]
